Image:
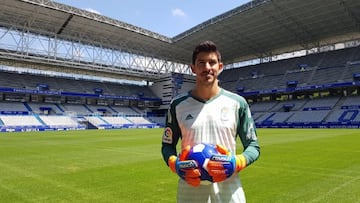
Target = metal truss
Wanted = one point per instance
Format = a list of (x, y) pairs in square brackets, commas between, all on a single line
[(78, 50), (22, 44)]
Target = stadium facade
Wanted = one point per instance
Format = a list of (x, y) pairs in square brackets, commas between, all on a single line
[(296, 62)]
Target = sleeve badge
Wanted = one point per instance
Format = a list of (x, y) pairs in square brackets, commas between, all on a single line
[(167, 136)]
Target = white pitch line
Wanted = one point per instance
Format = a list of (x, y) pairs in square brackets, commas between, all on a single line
[(334, 190)]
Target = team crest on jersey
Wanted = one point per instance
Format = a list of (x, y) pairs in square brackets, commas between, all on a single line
[(168, 136), (224, 114)]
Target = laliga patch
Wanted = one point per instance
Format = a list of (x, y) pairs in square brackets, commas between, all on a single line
[(167, 136)]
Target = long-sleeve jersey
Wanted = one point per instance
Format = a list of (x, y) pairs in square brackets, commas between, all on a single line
[(219, 120)]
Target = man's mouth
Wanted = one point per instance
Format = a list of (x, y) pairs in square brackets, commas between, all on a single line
[(207, 74)]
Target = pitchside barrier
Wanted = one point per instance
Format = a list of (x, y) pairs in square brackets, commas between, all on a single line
[(46, 128), (310, 125)]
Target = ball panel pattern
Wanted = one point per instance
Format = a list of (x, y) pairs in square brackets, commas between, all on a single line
[(201, 153)]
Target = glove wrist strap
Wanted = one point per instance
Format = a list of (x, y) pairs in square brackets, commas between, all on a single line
[(172, 163), (240, 162)]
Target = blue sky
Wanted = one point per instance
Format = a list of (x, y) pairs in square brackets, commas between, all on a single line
[(166, 17)]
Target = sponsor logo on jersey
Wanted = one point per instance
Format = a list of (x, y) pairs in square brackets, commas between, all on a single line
[(167, 136)]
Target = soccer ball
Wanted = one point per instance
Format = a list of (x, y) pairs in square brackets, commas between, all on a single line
[(201, 153)]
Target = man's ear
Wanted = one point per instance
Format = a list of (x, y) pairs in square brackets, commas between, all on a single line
[(221, 66), (192, 66)]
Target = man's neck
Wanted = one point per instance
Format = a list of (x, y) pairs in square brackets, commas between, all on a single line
[(205, 92)]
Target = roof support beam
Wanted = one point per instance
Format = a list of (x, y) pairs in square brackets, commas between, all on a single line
[(65, 24)]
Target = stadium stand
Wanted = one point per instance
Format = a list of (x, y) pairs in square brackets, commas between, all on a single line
[(59, 121), (28, 81), (316, 69), (21, 120), (320, 69), (332, 111), (263, 106), (319, 88), (77, 109), (7, 107), (305, 117), (321, 104)]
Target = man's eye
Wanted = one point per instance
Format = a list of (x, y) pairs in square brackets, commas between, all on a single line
[(203, 63)]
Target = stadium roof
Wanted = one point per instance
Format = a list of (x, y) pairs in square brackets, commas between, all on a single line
[(256, 29)]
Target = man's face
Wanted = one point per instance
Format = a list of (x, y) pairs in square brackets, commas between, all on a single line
[(206, 68)]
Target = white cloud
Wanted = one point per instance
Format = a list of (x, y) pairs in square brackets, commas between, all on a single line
[(93, 11), (178, 12)]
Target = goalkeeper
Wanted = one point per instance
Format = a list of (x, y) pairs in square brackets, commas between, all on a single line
[(209, 114)]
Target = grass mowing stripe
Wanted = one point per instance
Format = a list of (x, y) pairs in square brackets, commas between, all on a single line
[(296, 165), (37, 179), (321, 197)]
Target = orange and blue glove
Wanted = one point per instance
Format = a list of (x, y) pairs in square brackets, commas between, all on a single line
[(185, 169), (225, 164)]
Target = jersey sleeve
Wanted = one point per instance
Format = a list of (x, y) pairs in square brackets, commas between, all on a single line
[(171, 134), (247, 133)]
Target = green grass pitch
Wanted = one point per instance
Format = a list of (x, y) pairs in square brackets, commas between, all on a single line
[(296, 165)]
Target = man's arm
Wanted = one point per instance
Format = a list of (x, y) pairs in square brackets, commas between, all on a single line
[(171, 135), (248, 135)]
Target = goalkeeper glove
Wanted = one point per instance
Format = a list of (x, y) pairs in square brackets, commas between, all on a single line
[(225, 164), (185, 169)]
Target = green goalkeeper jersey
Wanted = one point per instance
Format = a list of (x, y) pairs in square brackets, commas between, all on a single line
[(219, 120)]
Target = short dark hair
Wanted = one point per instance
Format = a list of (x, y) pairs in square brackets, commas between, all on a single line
[(206, 46)]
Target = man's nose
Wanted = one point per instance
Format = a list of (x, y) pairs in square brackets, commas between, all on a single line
[(207, 65)]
